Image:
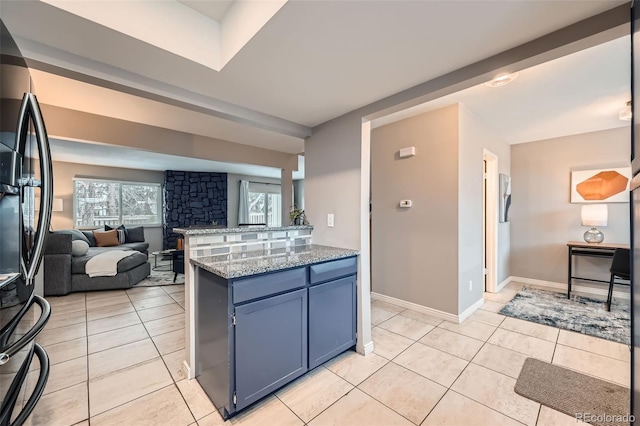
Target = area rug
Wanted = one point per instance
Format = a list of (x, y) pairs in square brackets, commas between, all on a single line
[(580, 314), (575, 394), (164, 276)]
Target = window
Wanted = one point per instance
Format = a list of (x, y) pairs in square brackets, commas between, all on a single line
[(104, 202), (264, 204)]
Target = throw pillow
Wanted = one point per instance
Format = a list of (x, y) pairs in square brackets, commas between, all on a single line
[(135, 234), (79, 248), (121, 227), (106, 238), (75, 235), (122, 236), (90, 238)]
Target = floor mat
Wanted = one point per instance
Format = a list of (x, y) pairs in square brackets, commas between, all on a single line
[(580, 396), (581, 314)]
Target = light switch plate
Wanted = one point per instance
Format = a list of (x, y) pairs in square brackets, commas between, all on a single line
[(330, 220)]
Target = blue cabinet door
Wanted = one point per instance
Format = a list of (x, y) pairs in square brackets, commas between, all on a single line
[(270, 345), (332, 319)]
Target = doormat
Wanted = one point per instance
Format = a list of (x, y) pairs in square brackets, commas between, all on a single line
[(580, 396), (581, 314)]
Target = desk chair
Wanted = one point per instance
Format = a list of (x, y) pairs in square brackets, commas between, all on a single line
[(178, 263), (620, 268)]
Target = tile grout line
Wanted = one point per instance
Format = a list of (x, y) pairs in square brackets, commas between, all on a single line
[(86, 325), (486, 406), (173, 380), (472, 399), (175, 383), (290, 409), (159, 356)]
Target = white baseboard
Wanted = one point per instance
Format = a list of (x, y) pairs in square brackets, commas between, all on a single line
[(366, 349), (415, 307), (470, 310), (562, 287), (503, 284), (187, 370)]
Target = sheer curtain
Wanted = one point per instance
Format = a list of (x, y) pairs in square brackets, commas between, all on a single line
[(243, 205)]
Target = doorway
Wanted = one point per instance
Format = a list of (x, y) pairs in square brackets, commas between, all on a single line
[(490, 221)]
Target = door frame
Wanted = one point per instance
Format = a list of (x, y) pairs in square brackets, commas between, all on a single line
[(490, 236)]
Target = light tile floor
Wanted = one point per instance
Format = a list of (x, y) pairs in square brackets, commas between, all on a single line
[(116, 359)]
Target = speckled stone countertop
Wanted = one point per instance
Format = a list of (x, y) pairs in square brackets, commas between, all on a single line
[(238, 265), (204, 230)]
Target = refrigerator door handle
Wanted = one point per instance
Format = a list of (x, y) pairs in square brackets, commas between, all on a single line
[(11, 398), (31, 108), (39, 388), (33, 331)]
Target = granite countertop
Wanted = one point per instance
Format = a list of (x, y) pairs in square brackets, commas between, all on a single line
[(244, 264), (206, 230)]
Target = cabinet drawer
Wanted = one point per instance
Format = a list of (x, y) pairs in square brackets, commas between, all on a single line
[(333, 269), (266, 285)]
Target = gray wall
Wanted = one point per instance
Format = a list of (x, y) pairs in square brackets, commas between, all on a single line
[(543, 219), (63, 174), (332, 181), (66, 123), (427, 254), (475, 136), (233, 194), (415, 250)]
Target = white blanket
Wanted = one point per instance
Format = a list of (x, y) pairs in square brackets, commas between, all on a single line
[(106, 264)]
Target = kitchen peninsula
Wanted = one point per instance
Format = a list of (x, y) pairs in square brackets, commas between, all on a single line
[(263, 307)]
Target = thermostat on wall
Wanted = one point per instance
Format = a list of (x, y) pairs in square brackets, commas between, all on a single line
[(408, 152), (405, 203)]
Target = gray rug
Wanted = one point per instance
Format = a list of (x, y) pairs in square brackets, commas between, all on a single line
[(580, 314), (573, 393), (161, 277)]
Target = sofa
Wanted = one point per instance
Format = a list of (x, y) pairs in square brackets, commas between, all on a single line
[(64, 272)]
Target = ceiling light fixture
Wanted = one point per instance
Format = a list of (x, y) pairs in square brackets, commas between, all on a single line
[(502, 80), (625, 113)]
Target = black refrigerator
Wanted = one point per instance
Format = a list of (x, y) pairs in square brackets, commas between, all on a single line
[(25, 177)]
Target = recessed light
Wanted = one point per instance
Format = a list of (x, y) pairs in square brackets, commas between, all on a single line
[(502, 80)]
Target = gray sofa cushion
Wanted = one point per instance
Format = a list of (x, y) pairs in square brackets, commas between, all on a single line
[(75, 235), (135, 234), (78, 264), (58, 243), (82, 282), (141, 247)]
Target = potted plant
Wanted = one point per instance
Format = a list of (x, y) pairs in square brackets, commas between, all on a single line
[(297, 216)]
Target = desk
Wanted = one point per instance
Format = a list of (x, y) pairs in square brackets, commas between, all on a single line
[(577, 248)]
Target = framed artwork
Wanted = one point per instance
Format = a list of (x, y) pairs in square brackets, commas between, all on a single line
[(601, 185), (505, 197)]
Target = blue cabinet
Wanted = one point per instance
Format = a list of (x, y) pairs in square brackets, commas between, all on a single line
[(257, 333), (270, 345), (332, 319)]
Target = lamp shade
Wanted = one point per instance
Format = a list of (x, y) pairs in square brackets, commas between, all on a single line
[(594, 215)]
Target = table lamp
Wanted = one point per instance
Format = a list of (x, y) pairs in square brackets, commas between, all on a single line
[(594, 215)]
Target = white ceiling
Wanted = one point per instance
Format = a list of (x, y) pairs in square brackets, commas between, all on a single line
[(578, 93), (311, 62), (211, 9)]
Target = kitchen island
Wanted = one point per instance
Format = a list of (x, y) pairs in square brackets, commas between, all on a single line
[(264, 307)]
